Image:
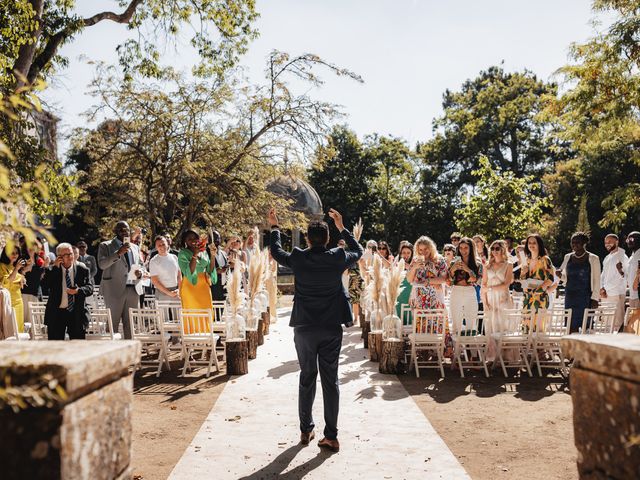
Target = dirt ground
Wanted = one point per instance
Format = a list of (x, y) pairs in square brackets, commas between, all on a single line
[(501, 427), (167, 413)]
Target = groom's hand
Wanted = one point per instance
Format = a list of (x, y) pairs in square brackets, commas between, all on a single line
[(272, 218), (337, 218)]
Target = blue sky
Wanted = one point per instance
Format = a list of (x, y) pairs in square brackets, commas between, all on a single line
[(408, 52)]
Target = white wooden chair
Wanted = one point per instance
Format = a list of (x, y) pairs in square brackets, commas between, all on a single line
[(428, 336), (169, 311), (551, 326), (599, 320), (38, 329), (220, 327), (19, 336), (196, 332), (470, 338), (149, 301), (146, 327), (100, 326), (513, 340), (406, 314)]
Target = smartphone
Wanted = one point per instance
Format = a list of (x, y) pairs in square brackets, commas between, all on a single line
[(126, 240), (374, 248)]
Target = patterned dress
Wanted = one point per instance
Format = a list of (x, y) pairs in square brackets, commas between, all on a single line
[(536, 299), (356, 284)]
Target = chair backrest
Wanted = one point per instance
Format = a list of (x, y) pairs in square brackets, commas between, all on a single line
[(169, 311), (95, 301), (196, 321), (515, 322), (632, 320), (598, 320), (100, 326), (145, 323), (38, 328), (554, 322), (149, 301), (218, 312), (407, 319), (429, 322)]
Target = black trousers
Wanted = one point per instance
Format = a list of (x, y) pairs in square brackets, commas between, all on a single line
[(318, 350), (65, 322)]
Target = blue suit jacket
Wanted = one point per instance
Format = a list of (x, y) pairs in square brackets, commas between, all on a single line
[(320, 300)]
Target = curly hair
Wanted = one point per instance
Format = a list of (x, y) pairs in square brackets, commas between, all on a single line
[(431, 246)]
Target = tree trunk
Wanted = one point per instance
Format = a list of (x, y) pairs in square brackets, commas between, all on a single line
[(392, 358), (237, 357), (252, 339), (27, 51), (267, 321), (261, 332), (365, 333), (375, 346)]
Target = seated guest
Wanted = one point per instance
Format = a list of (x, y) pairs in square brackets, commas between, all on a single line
[(69, 284), (165, 272)]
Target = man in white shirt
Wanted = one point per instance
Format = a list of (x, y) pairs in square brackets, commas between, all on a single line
[(612, 281), (633, 242), (165, 272)]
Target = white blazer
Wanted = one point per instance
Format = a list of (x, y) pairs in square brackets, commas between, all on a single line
[(594, 262)]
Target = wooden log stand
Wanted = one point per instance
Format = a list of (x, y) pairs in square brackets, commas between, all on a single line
[(392, 358), (261, 331), (252, 340), (237, 357), (365, 333), (375, 346), (267, 321)]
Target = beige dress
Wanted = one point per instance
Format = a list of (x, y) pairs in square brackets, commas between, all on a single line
[(497, 300)]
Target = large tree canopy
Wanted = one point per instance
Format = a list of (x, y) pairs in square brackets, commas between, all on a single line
[(32, 32)]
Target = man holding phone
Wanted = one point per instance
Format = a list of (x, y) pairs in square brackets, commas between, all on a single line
[(69, 284), (117, 258)]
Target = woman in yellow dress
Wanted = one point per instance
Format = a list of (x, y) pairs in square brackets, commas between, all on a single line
[(198, 273), (11, 278)]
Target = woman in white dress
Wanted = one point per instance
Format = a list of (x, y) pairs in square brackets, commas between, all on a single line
[(496, 278)]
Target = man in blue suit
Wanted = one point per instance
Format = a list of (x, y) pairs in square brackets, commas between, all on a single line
[(320, 307)]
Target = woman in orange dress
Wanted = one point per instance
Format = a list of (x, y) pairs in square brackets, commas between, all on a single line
[(198, 273)]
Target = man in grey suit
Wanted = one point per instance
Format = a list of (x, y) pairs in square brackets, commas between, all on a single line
[(116, 258)]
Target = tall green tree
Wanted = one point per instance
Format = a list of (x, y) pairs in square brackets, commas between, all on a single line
[(495, 115), (502, 204), (599, 115)]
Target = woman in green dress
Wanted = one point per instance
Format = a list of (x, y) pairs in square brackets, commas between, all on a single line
[(406, 253)]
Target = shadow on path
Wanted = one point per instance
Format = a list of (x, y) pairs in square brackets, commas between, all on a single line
[(281, 462)]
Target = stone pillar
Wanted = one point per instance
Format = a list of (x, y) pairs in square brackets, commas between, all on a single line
[(65, 409), (605, 391)]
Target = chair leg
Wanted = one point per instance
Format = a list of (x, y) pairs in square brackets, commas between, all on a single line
[(523, 354), (460, 361), (537, 359), (187, 355), (415, 362), (504, 369), (440, 352), (211, 357), (481, 354)]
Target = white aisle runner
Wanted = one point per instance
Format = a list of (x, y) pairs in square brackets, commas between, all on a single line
[(252, 432)]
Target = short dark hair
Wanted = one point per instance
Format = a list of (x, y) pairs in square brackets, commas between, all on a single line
[(318, 234), (581, 237), (160, 237), (611, 235), (457, 235), (448, 248)]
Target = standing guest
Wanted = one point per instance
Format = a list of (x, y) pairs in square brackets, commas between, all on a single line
[(89, 260), (76, 255), (427, 274), (118, 258), (320, 307), (165, 272), (536, 265), (496, 279), (510, 246), (633, 242), (613, 286), (198, 271), (251, 246), (448, 252), (353, 283), (481, 248), (69, 284), (221, 265), (33, 279), (385, 252), (405, 252), (455, 239), (12, 266), (366, 261), (465, 273), (581, 277)]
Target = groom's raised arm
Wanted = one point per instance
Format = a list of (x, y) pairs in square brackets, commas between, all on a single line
[(277, 252)]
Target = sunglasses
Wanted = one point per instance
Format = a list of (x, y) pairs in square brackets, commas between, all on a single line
[(495, 249)]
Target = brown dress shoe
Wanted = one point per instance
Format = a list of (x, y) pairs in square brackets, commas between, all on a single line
[(331, 445), (306, 437)]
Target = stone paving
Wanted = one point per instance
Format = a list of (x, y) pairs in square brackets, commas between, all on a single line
[(252, 432)]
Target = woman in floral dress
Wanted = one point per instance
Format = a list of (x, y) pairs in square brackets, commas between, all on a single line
[(427, 275), (536, 266)]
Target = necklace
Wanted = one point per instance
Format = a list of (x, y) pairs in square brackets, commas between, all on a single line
[(580, 256)]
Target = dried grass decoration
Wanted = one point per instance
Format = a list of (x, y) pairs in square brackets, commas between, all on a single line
[(377, 294), (357, 230), (392, 324), (236, 325)]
